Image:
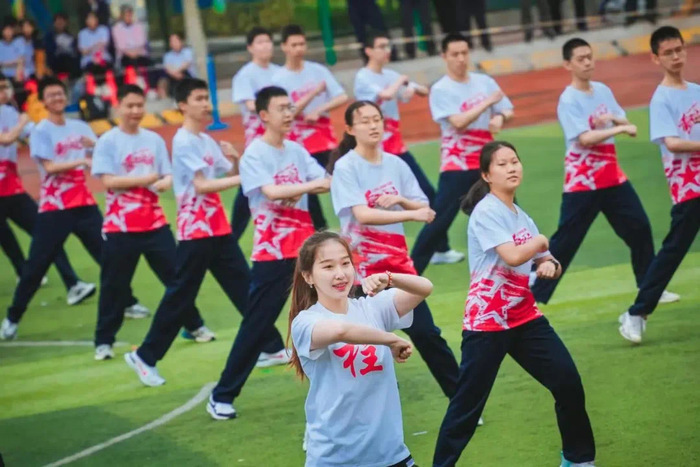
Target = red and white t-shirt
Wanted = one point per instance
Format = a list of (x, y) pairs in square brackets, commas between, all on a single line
[(61, 143), (499, 295), (673, 113), (461, 148), (351, 385), (198, 216), (315, 137), (368, 85), (124, 155), (279, 230), (10, 182), (376, 248), (250, 79), (593, 167)]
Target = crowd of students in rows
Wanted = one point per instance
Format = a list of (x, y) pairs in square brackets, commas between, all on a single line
[(345, 345)]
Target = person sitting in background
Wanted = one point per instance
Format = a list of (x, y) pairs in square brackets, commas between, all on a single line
[(178, 62), (131, 45), (12, 51), (61, 48), (100, 8), (93, 42), (32, 45)]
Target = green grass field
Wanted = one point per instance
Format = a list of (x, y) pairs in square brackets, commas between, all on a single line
[(643, 401)]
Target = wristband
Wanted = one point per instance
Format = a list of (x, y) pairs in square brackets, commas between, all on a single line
[(556, 263), (390, 279)]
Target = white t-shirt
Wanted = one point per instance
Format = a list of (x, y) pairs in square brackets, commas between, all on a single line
[(499, 295), (62, 143), (121, 154), (279, 230), (672, 112), (376, 248), (250, 79), (11, 52), (353, 410), (10, 182), (316, 137), (174, 59), (88, 38), (368, 85), (460, 149), (594, 167), (198, 216)]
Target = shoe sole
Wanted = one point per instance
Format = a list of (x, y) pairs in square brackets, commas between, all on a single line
[(672, 300), (133, 366), (442, 261), (627, 336), (83, 297), (103, 358), (218, 417), (200, 340), (269, 363), (136, 316)]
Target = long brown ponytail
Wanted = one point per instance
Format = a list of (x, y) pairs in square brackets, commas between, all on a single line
[(304, 296), (348, 142), (480, 188)]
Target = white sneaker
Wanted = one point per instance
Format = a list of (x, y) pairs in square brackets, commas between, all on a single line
[(104, 352), (632, 327), (201, 335), (220, 410), (136, 311), (44, 281), (147, 374), (669, 297), (79, 292), (272, 359), (448, 257), (480, 422), (8, 330)]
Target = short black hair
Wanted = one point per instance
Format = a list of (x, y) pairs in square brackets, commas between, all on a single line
[(61, 15), (50, 81), (664, 33), (567, 49), (126, 89), (185, 87), (9, 22), (373, 36), (450, 38), (179, 34), (255, 32), (291, 30), (265, 95)]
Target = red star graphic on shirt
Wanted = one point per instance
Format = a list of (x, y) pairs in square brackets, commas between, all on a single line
[(271, 232), (52, 190), (117, 211)]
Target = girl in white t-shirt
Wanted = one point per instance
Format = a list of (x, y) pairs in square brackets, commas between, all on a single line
[(346, 348), (501, 316), (374, 193)]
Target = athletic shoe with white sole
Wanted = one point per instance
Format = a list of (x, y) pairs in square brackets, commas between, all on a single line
[(136, 311), (220, 410), (480, 422), (565, 463), (8, 330), (669, 297), (147, 374), (201, 335), (447, 257), (632, 327), (79, 292), (273, 359), (104, 352)]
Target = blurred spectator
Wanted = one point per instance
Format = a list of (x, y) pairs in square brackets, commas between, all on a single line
[(61, 48), (579, 8), (178, 62), (12, 50), (32, 48), (93, 42), (131, 44), (468, 9), (100, 8), (446, 12), (426, 22), (543, 14), (365, 13)]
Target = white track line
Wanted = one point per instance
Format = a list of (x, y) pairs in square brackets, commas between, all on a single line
[(53, 344), (189, 405)]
